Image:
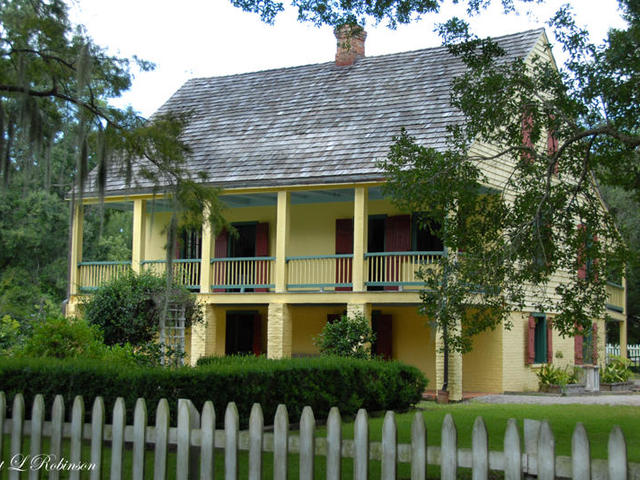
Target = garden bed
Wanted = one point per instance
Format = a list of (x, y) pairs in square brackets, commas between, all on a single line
[(616, 387), (569, 388)]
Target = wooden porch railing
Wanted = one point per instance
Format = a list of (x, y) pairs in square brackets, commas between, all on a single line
[(186, 272), (397, 269), (242, 273), (93, 274), (320, 272)]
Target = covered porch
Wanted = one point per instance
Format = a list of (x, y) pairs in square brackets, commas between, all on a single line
[(297, 240)]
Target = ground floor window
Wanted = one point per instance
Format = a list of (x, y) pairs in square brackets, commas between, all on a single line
[(540, 341)]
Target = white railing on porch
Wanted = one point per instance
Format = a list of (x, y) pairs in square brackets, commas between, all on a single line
[(242, 273), (195, 440), (93, 274), (186, 272), (319, 272), (383, 269)]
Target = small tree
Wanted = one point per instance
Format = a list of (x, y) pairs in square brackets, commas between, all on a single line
[(346, 337)]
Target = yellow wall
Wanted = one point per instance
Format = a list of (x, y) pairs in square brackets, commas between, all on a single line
[(307, 323), (517, 375), (156, 235), (482, 367), (413, 341)]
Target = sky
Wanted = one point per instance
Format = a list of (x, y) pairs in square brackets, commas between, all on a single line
[(203, 38)]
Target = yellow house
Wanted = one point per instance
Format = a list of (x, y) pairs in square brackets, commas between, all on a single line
[(294, 151)]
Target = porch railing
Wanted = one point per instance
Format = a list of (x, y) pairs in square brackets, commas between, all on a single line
[(615, 297), (320, 272), (93, 274), (242, 273), (397, 269), (186, 272)]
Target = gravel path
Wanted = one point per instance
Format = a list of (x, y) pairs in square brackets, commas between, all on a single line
[(614, 399)]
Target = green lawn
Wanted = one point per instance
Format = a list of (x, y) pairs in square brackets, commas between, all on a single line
[(596, 418)]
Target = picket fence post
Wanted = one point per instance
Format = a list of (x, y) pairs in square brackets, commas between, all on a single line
[(97, 433), (37, 424)]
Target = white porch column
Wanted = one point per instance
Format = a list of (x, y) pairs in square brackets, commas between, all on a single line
[(76, 248), (360, 224), (205, 260), (282, 240), (139, 227)]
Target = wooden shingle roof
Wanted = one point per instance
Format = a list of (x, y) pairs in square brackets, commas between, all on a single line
[(317, 123)]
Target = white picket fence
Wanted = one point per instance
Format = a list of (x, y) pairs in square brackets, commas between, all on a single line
[(196, 441), (633, 352)]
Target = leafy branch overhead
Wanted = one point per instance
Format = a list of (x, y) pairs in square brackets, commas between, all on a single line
[(340, 12)]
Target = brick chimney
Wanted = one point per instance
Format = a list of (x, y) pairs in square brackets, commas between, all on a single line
[(350, 44)]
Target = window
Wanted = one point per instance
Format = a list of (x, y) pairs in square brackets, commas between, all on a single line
[(540, 340), (539, 348), (424, 234)]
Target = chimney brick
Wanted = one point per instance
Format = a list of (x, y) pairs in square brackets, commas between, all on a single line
[(350, 44)]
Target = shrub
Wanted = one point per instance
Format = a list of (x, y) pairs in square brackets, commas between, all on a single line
[(616, 371), (128, 310), (552, 375), (346, 337), (321, 382), (60, 337)]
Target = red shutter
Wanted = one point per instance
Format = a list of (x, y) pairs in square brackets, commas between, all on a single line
[(219, 268), (382, 326), (262, 250), (397, 239), (257, 334), (344, 245), (531, 340), (549, 341), (594, 342), (577, 349)]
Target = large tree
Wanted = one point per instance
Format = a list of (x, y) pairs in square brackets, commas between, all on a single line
[(57, 124), (563, 131)]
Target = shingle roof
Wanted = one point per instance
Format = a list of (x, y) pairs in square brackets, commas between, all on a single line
[(317, 123)]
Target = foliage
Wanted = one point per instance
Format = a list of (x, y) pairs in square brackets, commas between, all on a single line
[(9, 334), (129, 309), (346, 337), (616, 371), (335, 13), (319, 382), (550, 374), (60, 337), (107, 233), (33, 254)]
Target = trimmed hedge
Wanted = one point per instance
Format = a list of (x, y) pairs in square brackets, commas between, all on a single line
[(320, 382)]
